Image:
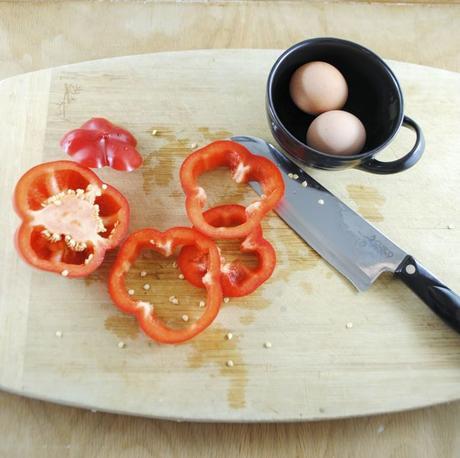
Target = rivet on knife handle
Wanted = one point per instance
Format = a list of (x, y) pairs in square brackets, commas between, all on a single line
[(442, 300)]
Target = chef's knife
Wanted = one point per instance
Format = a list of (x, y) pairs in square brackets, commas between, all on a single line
[(346, 240)]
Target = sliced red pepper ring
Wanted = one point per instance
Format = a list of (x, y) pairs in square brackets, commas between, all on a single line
[(237, 279), (165, 243), (69, 218), (244, 167), (98, 143)]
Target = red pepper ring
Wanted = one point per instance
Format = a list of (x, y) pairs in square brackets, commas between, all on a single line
[(244, 167), (165, 243), (236, 278)]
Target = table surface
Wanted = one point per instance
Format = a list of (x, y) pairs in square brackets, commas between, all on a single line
[(39, 35)]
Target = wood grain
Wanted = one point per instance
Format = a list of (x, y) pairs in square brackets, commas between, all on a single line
[(50, 430), (317, 368), (424, 34)]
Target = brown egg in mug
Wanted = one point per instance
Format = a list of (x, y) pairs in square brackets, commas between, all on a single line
[(316, 87), (337, 132)]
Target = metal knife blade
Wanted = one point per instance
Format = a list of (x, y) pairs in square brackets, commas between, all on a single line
[(341, 236), (354, 247)]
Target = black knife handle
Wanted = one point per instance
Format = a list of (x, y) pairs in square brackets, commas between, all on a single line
[(442, 300)]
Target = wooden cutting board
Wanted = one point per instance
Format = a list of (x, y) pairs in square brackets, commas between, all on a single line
[(394, 354)]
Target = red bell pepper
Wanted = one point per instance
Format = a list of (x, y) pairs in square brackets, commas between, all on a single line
[(98, 143), (236, 278), (165, 243), (244, 167), (69, 218)]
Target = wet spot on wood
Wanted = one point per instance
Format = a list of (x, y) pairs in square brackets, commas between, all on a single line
[(101, 274), (161, 167), (177, 194), (96, 277), (368, 200), (162, 133), (123, 326), (212, 348), (147, 171), (156, 279), (92, 278), (306, 287), (212, 135), (222, 189), (293, 255), (247, 319)]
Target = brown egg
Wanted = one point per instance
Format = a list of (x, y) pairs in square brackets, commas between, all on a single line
[(337, 132), (317, 87)]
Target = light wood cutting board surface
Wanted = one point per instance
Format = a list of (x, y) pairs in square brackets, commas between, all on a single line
[(397, 354)]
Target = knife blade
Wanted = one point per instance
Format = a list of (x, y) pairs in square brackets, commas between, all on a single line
[(352, 245)]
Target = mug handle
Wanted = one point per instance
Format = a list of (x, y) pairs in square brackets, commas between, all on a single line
[(374, 166)]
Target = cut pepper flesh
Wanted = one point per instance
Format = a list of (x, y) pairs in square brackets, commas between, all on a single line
[(69, 218), (165, 243), (237, 279), (244, 167)]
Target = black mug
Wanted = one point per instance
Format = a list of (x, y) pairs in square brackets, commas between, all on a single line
[(374, 96)]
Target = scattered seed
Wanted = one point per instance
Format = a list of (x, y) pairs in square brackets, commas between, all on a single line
[(181, 276), (143, 273), (130, 292), (304, 184), (121, 345), (268, 345), (229, 336), (230, 363), (174, 264), (202, 303), (104, 186), (194, 145), (321, 201), (146, 286), (226, 300), (59, 334), (185, 318), (349, 325), (173, 300), (290, 175), (295, 176), (64, 273), (154, 132)]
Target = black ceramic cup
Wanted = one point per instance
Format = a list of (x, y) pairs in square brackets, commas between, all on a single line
[(374, 96)]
